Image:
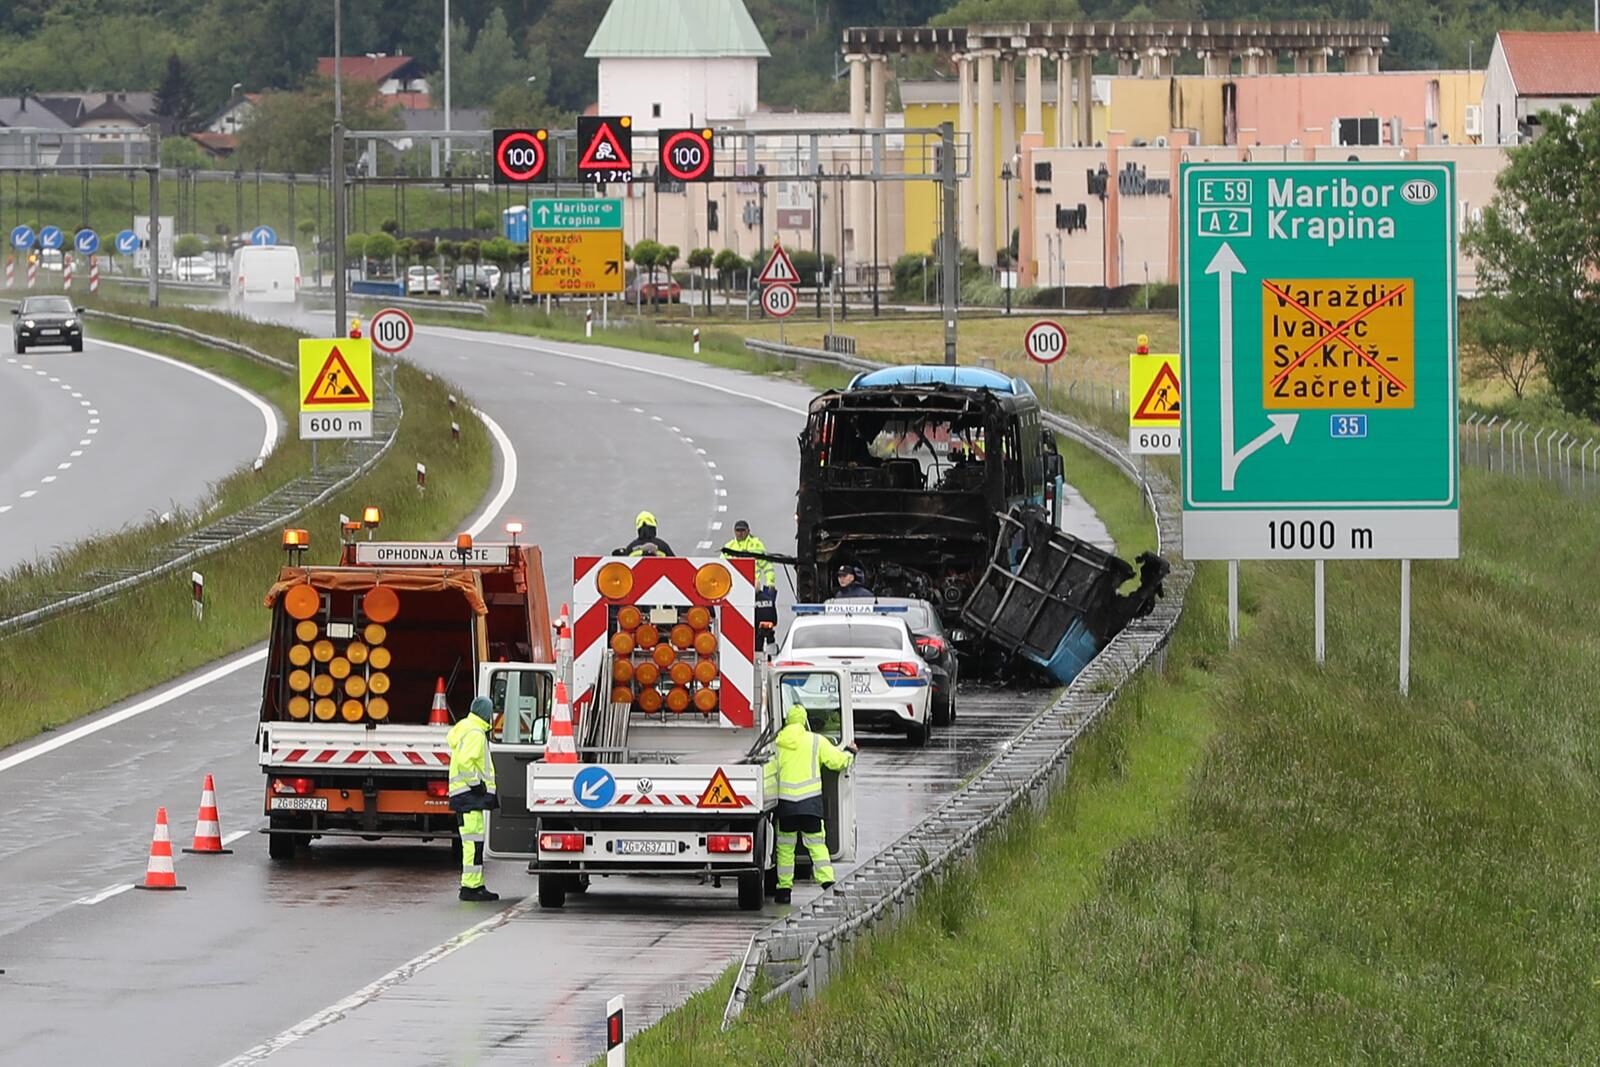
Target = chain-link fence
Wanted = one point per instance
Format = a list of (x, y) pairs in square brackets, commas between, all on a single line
[(1511, 446)]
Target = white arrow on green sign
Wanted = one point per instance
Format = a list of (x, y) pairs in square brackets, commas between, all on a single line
[(553, 214), (1319, 329)]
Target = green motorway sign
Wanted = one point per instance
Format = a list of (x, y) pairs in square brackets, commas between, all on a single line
[(1319, 361), (597, 214)]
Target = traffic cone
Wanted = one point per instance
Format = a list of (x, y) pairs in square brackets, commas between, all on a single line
[(207, 829), (159, 873), (561, 748), (440, 715)]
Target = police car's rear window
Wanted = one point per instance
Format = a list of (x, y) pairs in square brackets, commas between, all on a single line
[(847, 635)]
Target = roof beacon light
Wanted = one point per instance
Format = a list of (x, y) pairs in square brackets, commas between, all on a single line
[(514, 528), (464, 546)]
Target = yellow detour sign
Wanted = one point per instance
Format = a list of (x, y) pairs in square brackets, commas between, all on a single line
[(1153, 405), (335, 388), (575, 261), (1346, 343)]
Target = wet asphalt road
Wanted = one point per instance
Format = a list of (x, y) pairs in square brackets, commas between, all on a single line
[(251, 958), (95, 440)]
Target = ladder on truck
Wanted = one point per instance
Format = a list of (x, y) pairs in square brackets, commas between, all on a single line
[(603, 733)]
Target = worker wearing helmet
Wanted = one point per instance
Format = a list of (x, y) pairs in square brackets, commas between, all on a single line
[(647, 543), (801, 757), (472, 792)]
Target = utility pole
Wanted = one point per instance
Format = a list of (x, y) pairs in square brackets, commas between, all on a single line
[(155, 216), (949, 248), (447, 81), (336, 189)]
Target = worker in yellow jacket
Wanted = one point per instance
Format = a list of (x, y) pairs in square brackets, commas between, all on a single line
[(472, 792), (801, 756)]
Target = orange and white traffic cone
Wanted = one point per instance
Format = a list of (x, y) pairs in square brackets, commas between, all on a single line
[(158, 874), (440, 714), (207, 827), (561, 748)]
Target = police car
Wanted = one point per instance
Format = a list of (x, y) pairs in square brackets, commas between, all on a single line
[(891, 684)]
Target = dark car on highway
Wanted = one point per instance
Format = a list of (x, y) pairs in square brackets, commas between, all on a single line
[(46, 320), (935, 648)]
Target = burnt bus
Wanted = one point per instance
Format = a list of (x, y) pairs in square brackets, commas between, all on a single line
[(905, 472)]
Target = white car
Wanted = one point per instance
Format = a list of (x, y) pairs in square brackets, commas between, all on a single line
[(194, 269), (890, 684), (423, 280)]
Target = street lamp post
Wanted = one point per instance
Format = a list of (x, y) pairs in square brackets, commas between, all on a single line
[(1005, 179)]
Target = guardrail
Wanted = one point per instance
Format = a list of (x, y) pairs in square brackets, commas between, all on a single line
[(270, 513), (798, 954)]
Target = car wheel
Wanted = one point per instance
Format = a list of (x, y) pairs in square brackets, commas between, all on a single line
[(77, 346), (751, 892), (941, 710), (18, 347), (917, 734)]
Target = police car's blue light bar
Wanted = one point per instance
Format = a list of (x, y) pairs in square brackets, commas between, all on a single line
[(853, 607)]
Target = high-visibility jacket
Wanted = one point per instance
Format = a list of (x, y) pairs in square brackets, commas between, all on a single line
[(801, 757), (470, 765), (765, 575)]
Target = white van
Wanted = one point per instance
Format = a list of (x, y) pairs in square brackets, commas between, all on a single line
[(265, 273)]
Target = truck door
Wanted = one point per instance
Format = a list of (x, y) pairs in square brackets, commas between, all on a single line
[(521, 695), (825, 694)]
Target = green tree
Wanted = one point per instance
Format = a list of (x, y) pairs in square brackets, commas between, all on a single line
[(382, 248), (728, 263), (647, 255), (490, 65), (175, 99), (484, 221), (390, 227), (188, 245), (182, 152), (1498, 343), (1538, 249), (289, 131), (307, 229)]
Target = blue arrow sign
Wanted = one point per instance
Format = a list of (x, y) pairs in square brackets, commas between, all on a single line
[(263, 235), (22, 237), (51, 237), (594, 787), (127, 243), (87, 242)]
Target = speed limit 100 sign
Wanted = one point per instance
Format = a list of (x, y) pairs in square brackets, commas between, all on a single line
[(1046, 341), (391, 330), (779, 300)]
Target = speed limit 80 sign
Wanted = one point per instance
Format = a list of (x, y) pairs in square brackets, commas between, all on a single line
[(779, 301), (520, 156), (1045, 341), (391, 330)]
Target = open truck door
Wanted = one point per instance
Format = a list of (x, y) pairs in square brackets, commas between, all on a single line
[(825, 694), (521, 694)]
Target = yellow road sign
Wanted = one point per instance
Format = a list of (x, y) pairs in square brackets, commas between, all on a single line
[(1346, 343), (1153, 405), (576, 261), (335, 375)]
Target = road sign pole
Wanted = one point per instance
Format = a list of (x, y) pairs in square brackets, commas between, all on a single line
[(338, 192), (1047, 386), (1322, 611), (949, 250), (1405, 627), (155, 221), (1233, 602)]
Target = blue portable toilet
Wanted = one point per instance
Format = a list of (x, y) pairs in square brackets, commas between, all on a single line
[(514, 223)]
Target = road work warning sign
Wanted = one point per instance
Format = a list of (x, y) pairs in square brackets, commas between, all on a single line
[(1154, 418), (719, 793), (336, 375), (1338, 343)]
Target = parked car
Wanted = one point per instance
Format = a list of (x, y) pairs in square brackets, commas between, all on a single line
[(46, 320), (423, 280), (653, 293), (194, 269), (933, 645), (481, 280), (890, 682)]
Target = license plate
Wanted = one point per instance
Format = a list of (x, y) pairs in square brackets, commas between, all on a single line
[(645, 848), (860, 683), (297, 804), (48, 333)]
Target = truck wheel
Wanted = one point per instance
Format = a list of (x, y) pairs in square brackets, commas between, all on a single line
[(552, 890), (751, 891), (917, 734), (280, 846)]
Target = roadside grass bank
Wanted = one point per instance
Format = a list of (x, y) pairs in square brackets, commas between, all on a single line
[(1258, 861), (82, 662)]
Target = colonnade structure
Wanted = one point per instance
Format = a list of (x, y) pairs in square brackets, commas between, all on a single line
[(977, 54)]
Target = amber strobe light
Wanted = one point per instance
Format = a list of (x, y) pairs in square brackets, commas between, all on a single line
[(614, 581)]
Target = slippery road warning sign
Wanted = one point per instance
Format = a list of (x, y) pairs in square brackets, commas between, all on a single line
[(719, 793), (335, 388), (1154, 415)]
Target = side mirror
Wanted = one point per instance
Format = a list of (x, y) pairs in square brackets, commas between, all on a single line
[(16, 311)]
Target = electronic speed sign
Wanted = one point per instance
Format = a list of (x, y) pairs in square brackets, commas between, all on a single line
[(687, 155), (391, 330), (520, 156), (779, 301), (1045, 341)]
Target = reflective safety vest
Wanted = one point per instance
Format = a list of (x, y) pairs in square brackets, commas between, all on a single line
[(801, 757), (765, 575), (469, 756)]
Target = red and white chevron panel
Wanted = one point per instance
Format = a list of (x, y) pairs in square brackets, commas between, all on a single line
[(639, 800), (660, 581), (359, 757)]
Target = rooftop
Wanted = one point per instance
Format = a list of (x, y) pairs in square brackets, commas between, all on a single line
[(1553, 64), (360, 68), (646, 29)]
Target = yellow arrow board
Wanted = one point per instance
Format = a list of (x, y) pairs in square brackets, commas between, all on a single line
[(336, 388), (1153, 405), (576, 261)]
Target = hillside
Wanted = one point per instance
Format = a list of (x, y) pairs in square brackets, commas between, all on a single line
[(63, 45)]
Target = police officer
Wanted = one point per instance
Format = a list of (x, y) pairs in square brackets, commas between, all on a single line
[(801, 757), (851, 582), (472, 792), (745, 541), (646, 543)]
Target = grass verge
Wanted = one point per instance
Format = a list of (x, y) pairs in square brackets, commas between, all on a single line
[(1259, 861), (86, 661)]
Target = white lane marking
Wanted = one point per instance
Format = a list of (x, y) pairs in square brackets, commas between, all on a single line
[(5, 508), (720, 478), (54, 379), (703, 544), (86, 441), (84, 403), (166, 696), (508, 476), (94, 422), (558, 380), (716, 525), (698, 451), (26, 366), (77, 396), (674, 429), (92, 411), (722, 507), (47, 479), (105, 894), (93, 429), (368, 993), (638, 411), (75, 453), (269, 417), (722, 492), (235, 836), (29, 493), (655, 418), (711, 463), (591, 392), (65, 466)]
